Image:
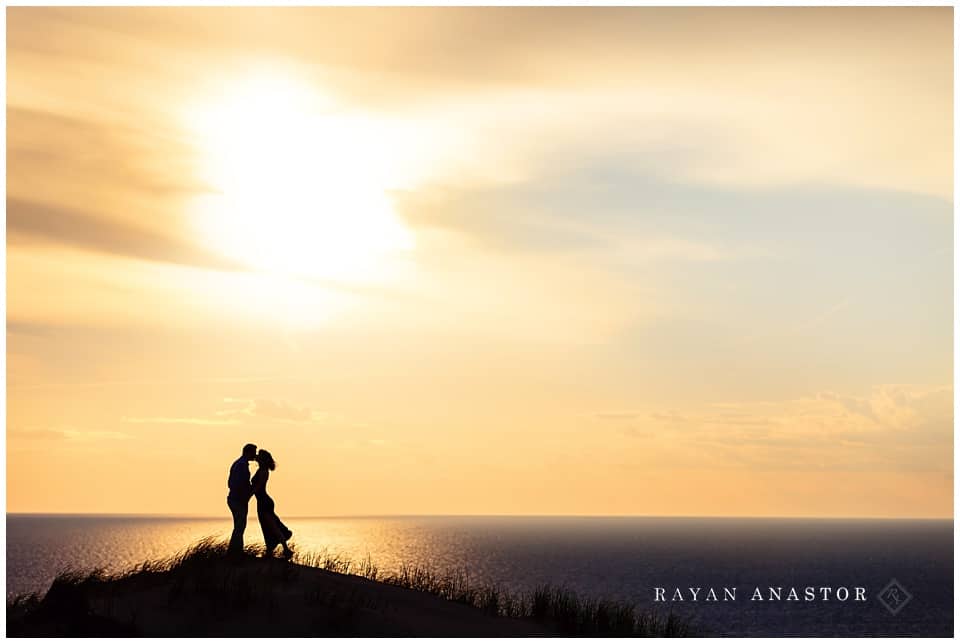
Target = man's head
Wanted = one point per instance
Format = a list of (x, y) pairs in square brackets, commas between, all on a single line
[(249, 451)]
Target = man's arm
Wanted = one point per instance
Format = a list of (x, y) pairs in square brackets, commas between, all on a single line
[(239, 480)]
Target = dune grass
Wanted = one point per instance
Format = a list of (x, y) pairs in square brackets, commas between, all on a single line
[(200, 571), (570, 613)]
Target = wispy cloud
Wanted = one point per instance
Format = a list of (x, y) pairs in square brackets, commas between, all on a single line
[(28, 329), (895, 427), (617, 415), (249, 409), (66, 435), (272, 409), (35, 223), (167, 420)]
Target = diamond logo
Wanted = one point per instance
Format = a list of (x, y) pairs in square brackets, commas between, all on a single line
[(894, 597)]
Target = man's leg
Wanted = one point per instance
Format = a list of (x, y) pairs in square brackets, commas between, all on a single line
[(239, 511)]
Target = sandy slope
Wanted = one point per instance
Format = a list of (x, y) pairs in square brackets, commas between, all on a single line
[(261, 597)]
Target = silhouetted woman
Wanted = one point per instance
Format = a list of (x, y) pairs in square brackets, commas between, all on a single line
[(274, 532)]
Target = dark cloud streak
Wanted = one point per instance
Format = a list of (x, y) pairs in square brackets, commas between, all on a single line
[(31, 222)]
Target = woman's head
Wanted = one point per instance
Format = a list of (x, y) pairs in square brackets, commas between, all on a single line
[(265, 459)]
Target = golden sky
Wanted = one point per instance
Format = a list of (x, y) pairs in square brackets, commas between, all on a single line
[(651, 261)]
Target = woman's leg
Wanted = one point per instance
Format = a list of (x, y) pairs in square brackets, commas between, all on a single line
[(269, 540), (283, 534), (270, 547)]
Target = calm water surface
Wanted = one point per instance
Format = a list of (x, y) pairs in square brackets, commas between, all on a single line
[(621, 558)]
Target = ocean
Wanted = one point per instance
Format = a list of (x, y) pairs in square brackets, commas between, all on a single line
[(624, 558)]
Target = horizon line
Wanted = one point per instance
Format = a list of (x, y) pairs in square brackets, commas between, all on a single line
[(491, 516)]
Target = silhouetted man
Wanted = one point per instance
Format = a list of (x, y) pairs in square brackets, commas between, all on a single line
[(239, 496)]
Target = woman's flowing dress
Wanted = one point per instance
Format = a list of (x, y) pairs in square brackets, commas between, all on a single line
[(274, 532)]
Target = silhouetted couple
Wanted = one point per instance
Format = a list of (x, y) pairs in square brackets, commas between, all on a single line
[(242, 487)]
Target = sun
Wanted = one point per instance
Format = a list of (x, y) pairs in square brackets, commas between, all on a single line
[(296, 186)]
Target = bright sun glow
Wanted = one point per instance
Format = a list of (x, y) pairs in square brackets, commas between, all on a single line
[(299, 188)]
